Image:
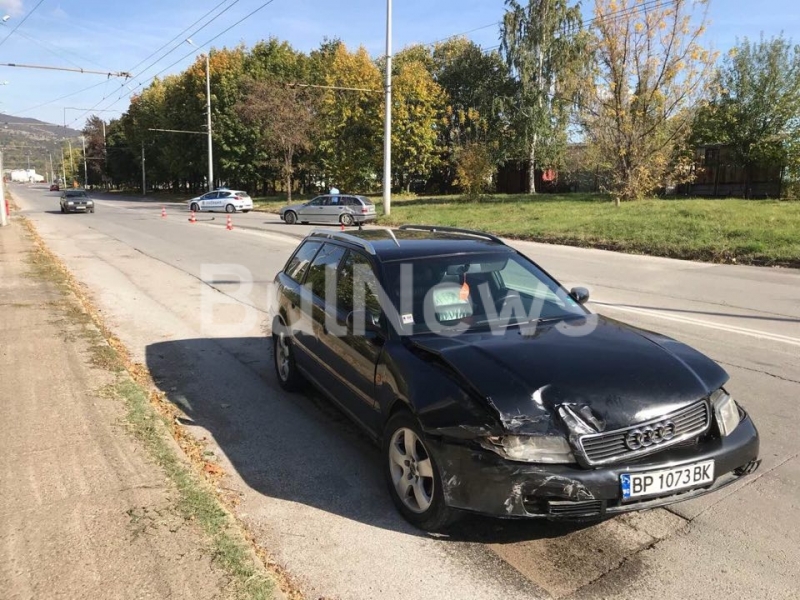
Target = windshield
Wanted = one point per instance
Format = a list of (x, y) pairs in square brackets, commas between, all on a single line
[(474, 291)]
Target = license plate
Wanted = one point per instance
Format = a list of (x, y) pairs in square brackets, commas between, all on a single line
[(658, 483)]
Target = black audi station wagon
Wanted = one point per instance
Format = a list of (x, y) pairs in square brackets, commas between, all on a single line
[(492, 389)]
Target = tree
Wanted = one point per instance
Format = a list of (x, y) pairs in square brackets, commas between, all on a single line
[(417, 104), (754, 105), (474, 169), (650, 71), (94, 136), (544, 45), (349, 148), (284, 117)]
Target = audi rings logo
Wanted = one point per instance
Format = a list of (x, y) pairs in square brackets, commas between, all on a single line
[(644, 437)]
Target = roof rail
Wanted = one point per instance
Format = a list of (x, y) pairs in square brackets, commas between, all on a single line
[(345, 237), (437, 228)]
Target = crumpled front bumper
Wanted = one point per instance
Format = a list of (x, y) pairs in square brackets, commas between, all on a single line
[(479, 480)]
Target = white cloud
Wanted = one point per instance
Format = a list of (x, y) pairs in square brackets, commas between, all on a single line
[(11, 7)]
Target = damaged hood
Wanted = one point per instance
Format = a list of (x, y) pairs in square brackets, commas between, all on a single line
[(624, 375)]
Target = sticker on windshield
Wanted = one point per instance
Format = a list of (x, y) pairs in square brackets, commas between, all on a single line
[(408, 319)]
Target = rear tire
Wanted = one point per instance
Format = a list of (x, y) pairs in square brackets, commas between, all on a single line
[(290, 217), (412, 475), (346, 219), (289, 376)]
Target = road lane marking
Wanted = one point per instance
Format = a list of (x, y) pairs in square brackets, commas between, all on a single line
[(763, 335)]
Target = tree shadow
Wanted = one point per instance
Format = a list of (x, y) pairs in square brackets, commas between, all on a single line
[(296, 447)]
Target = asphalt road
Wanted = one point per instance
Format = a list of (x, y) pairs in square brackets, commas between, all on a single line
[(309, 483)]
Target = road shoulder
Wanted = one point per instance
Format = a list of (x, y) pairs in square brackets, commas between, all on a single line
[(96, 499)]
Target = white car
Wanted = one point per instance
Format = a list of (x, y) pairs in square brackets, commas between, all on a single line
[(227, 200)]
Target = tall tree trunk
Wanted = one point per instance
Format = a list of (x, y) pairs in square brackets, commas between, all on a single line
[(287, 165), (532, 167)]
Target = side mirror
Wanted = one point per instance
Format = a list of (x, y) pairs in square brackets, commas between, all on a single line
[(363, 321), (579, 294)]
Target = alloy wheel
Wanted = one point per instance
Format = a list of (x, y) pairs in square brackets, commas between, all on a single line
[(411, 470)]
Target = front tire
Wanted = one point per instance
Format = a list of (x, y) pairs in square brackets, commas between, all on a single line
[(290, 217), (195, 207), (289, 377), (412, 475), (230, 208)]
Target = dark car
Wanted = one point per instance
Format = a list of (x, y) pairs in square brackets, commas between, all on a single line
[(54, 187), (492, 389), (76, 200)]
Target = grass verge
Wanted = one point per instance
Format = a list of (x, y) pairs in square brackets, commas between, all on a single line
[(756, 232), (152, 421)]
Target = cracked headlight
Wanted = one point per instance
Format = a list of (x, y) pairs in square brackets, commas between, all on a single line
[(546, 449), (725, 411)]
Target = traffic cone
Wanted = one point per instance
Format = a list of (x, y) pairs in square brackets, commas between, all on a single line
[(163, 212), (229, 225), (192, 218), (341, 226)]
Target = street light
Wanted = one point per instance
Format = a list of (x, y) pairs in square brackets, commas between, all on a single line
[(208, 118)]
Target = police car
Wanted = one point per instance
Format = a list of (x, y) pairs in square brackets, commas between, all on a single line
[(222, 199)]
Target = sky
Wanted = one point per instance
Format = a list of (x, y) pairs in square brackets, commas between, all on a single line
[(117, 35)]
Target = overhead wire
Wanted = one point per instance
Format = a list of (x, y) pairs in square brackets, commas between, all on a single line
[(18, 25), (199, 46)]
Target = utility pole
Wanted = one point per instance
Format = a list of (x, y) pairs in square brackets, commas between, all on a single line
[(3, 216), (387, 125), (52, 171), (63, 167), (85, 167), (208, 124), (71, 162), (144, 180), (208, 116)]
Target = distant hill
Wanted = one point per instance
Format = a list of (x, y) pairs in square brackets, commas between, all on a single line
[(29, 142)]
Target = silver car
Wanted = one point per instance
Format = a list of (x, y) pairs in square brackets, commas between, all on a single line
[(331, 208)]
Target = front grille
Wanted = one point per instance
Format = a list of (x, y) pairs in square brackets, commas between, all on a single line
[(608, 447)]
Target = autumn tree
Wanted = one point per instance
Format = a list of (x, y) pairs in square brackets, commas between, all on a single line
[(544, 44), (417, 105), (94, 137), (474, 168), (350, 119), (651, 69), (754, 105), (284, 117)]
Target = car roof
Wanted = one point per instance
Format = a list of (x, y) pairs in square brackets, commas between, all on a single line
[(415, 243)]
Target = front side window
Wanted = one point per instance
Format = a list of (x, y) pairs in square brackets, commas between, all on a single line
[(323, 269), (318, 201), (357, 285), (298, 264)]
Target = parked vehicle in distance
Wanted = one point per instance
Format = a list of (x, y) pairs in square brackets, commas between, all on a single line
[(331, 208), (492, 389), (54, 187), (222, 199), (76, 200)]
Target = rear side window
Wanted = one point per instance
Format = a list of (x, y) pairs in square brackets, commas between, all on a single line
[(298, 264), (324, 269)]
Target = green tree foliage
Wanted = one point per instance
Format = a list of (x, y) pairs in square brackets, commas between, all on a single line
[(544, 45), (94, 137), (284, 117), (650, 71), (350, 147), (754, 105), (417, 106)]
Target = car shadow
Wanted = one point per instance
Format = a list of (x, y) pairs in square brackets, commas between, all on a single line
[(296, 447)]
